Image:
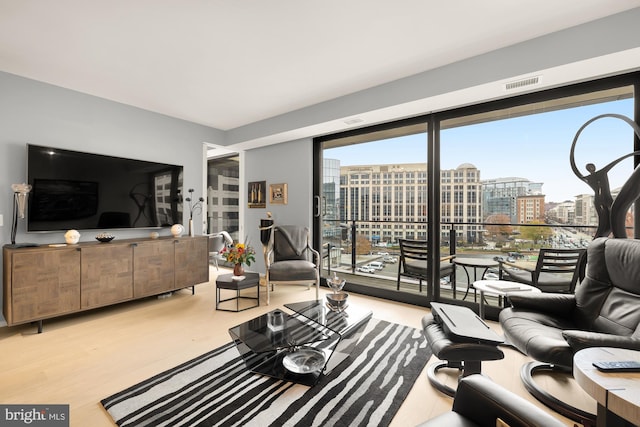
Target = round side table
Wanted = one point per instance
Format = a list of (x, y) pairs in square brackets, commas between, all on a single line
[(501, 288)]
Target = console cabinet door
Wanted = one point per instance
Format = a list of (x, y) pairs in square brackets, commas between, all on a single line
[(107, 274), (153, 267), (192, 261), (44, 283)]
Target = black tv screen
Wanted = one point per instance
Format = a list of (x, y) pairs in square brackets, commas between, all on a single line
[(86, 191)]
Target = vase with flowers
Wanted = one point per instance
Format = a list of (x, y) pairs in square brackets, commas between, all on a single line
[(239, 254), (194, 206)]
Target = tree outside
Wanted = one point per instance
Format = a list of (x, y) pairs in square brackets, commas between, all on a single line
[(498, 227), (536, 233), (363, 245)]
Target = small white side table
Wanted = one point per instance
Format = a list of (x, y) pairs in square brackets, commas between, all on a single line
[(501, 288)]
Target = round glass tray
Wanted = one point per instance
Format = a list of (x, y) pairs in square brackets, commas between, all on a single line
[(304, 361)]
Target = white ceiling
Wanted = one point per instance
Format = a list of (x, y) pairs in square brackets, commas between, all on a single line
[(230, 63)]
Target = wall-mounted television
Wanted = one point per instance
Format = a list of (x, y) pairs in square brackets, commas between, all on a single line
[(87, 191)]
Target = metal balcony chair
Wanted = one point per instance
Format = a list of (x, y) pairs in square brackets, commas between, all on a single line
[(557, 270), (413, 262), (290, 259)]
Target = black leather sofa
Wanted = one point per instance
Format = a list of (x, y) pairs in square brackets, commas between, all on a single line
[(479, 402), (603, 312)]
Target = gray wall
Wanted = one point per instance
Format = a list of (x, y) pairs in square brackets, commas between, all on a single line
[(605, 36), (42, 114), (289, 163)]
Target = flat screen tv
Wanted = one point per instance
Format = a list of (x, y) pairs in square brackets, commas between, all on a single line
[(86, 191)]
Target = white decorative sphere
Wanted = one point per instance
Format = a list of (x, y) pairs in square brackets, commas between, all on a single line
[(72, 237), (154, 234), (177, 230)]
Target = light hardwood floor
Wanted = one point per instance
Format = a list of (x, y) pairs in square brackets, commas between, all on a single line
[(80, 359)]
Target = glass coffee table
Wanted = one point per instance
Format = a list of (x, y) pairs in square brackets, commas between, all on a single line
[(302, 346)]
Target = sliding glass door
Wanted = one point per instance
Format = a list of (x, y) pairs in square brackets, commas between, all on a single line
[(481, 181)]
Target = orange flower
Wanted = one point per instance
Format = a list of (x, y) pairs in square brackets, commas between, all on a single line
[(239, 254)]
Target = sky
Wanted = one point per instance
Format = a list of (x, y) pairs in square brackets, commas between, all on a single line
[(535, 147)]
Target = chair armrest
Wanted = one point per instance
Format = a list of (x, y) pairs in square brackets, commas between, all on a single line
[(481, 400), (579, 340), (315, 254), (514, 265), (561, 305), (447, 258)]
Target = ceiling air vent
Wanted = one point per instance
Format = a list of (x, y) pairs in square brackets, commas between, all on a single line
[(353, 121), (522, 83)]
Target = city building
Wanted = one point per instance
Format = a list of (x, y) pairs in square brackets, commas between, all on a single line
[(461, 203), (530, 209), (223, 196), (585, 210), (499, 195), (389, 202), (563, 213)]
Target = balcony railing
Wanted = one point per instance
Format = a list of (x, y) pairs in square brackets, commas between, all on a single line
[(365, 256)]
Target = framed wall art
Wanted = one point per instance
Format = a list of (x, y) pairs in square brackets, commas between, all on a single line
[(257, 194), (278, 194)]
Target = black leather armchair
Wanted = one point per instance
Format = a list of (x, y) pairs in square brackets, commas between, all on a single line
[(480, 402), (604, 311)]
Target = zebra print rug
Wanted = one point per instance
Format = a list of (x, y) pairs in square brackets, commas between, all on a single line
[(215, 389)]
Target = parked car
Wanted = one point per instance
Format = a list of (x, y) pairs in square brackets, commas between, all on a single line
[(390, 259), (366, 269), (376, 265), (491, 276)]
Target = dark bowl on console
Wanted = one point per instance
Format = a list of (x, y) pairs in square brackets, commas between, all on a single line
[(105, 237)]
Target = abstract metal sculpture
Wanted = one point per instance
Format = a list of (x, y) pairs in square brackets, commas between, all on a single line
[(20, 192), (611, 213)]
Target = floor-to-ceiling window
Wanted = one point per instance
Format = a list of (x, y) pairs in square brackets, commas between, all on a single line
[(505, 162)]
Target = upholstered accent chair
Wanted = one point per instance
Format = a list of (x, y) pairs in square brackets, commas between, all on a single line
[(604, 311), (290, 259)]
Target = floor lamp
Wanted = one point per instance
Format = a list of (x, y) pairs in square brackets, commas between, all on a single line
[(20, 192)]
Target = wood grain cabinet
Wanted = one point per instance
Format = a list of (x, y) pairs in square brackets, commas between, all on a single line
[(190, 256), (40, 283), (45, 282), (106, 275), (154, 268)]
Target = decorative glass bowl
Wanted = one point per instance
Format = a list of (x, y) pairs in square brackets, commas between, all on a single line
[(304, 361), (336, 284), (337, 301)]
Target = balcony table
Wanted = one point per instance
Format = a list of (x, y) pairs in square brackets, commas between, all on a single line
[(474, 263)]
